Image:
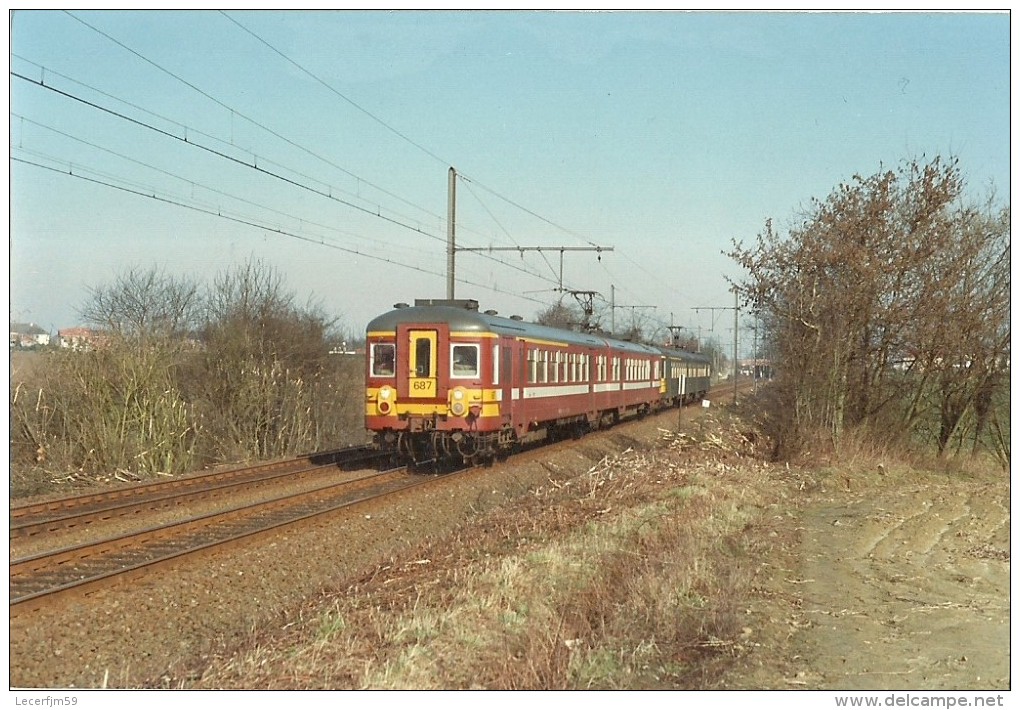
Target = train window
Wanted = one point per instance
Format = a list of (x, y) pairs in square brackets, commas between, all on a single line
[(554, 366), (495, 364), (464, 361), (383, 359), (532, 366), (543, 366), (423, 357)]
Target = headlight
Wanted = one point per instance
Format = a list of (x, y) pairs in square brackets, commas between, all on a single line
[(457, 406), (386, 400)]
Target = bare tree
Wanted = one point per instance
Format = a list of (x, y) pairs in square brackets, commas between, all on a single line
[(561, 315), (145, 303), (886, 303), (263, 377), (119, 407)]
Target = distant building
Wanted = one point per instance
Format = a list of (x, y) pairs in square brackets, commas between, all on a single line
[(760, 369), (27, 335), (80, 338)]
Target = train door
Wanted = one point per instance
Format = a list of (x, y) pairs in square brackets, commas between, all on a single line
[(506, 378), (421, 349)]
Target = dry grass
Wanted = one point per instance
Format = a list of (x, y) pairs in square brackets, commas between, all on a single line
[(634, 574), (864, 460)]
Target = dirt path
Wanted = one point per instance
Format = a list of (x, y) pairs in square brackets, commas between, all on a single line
[(902, 585)]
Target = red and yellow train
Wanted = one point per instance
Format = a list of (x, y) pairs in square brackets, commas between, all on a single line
[(445, 381)]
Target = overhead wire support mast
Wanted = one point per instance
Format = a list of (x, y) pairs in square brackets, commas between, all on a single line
[(736, 325), (452, 248), (561, 250)]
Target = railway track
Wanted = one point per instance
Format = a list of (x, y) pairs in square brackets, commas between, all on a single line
[(107, 558), (43, 579), (89, 509), (40, 579)]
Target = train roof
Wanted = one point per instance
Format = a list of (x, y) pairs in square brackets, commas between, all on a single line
[(464, 316), (686, 355)]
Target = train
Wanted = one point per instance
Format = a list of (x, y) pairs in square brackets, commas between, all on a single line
[(447, 382)]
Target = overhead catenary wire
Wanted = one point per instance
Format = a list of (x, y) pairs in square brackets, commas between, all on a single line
[(256, 161), (443, 161), (252, 164), (505, 231), (397, 132), (189, 132), (187, 180), (270, 131), (251, 120), (251, 223), (333, 90), (259, 163), (389, 128)]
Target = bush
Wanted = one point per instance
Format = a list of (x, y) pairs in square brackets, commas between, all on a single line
[(258, 381), (114, 408)]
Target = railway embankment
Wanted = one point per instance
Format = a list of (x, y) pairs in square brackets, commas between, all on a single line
[(665, 554)]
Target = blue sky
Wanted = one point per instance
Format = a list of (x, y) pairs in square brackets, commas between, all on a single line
[(664, 135)]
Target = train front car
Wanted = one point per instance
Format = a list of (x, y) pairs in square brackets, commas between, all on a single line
[(429, 382)]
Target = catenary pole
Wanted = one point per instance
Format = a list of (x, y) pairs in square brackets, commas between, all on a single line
[(736, 323), (451, 233)]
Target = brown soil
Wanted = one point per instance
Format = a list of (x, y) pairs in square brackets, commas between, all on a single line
[(895, 582), (879, 580)]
